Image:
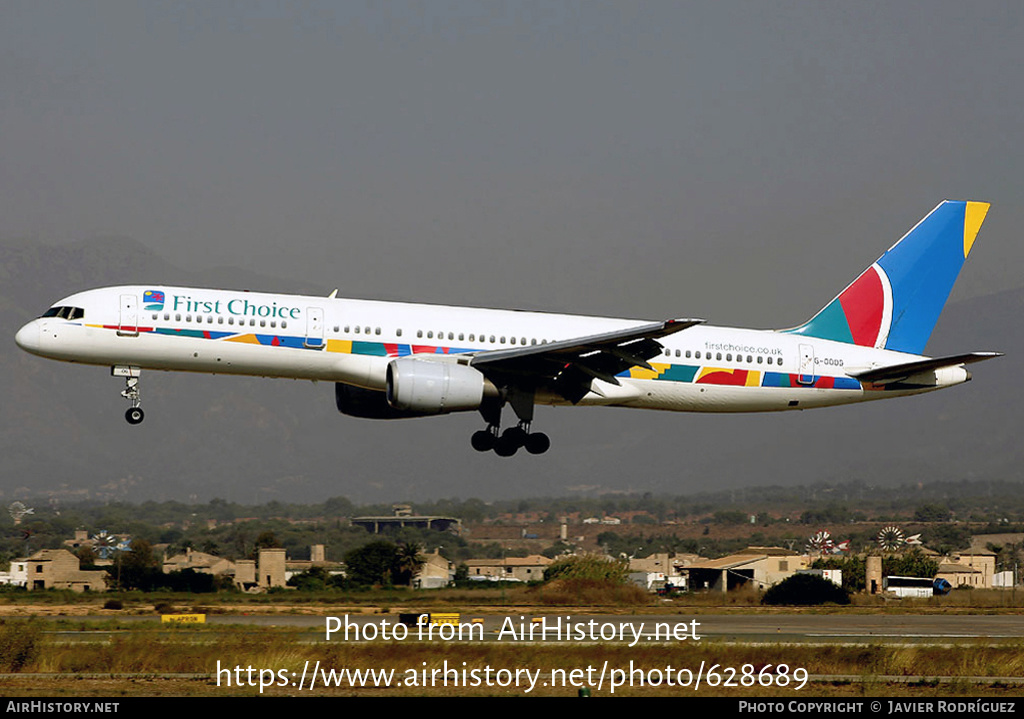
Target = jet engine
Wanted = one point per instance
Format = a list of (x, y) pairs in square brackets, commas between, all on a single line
[(431, 387), (368, 404)]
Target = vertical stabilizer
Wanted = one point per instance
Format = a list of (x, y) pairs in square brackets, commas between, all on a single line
[(895, 303)]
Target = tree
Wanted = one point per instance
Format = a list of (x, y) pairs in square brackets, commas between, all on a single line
[(912, 564), (373, 563), (137, 568), (588, 567), (408, 562), (854, 570)]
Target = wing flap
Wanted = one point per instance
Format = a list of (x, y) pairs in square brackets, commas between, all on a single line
[(570, 366)]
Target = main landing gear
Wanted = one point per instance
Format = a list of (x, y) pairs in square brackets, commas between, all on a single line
[(507, 443), (134, 414)]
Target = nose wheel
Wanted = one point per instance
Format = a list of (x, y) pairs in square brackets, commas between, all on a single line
[(134, 414)]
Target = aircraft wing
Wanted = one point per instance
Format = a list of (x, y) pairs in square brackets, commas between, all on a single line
[(569, 366), (899, 372)]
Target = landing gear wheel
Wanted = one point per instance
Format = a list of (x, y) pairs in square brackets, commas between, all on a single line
[(514, 435), (537, 443), (506, 446), (134, 415), (483, 440)]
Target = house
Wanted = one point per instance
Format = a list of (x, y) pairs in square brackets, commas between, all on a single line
[(764, 566), (975, 569), (60, 569), (516, 569), (198, 562), (435, 573)]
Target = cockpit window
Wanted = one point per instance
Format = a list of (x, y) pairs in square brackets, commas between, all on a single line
[(65, 313)]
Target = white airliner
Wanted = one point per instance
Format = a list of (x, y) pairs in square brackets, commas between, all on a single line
[(393, 360)]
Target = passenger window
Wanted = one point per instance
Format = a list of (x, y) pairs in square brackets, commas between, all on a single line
[(718, 356), (760, 359), (376, 331), (263, 323), (430, 335), (399, 332), (357, 330), (220, 320), (283, 324), (167, 316), (419, 333)]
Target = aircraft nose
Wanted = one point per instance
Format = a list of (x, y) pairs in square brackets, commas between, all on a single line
[(28, 337)]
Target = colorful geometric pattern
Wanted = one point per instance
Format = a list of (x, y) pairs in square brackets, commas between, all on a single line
[(895, 303), (722, 376)]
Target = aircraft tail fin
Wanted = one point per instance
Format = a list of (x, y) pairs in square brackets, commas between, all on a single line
[(895, 303)]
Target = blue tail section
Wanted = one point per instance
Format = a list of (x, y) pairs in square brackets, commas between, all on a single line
[(895, 303)]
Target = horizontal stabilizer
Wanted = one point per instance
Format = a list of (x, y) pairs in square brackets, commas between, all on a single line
[(898, 372)]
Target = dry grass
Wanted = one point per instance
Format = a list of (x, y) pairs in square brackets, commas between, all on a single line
[(154, 656)]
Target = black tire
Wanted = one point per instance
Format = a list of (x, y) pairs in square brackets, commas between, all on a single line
[(134, 415), (514, 435), (482, 441), (505, 446), (538, 443)]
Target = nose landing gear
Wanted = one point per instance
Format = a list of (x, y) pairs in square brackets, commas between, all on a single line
[(134, 414)]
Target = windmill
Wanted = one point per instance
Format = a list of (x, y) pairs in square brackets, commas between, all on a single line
[(17, 510), (107, 544), (820, 543), (890, 539)]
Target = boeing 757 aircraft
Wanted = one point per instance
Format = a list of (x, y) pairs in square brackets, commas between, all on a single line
[(392, 360)]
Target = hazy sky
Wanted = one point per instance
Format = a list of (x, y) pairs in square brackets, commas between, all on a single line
[(739, 162), (734, 161)]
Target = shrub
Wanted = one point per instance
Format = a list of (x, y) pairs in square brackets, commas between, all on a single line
[(588, 567), (805, 590), (19, 644)]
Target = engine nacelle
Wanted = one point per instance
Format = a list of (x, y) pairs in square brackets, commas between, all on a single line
[(430, 387), (368, 404)]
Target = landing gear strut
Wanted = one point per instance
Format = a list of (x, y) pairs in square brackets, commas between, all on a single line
[(134, 414), (507, 443)]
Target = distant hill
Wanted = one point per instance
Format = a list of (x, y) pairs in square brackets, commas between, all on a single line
[(62, 431)]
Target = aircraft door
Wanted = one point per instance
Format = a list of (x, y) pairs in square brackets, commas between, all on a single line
[(128, 325), (806, 365), (314, 328)]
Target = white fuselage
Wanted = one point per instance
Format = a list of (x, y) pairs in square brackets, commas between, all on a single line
[(702, 369)]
